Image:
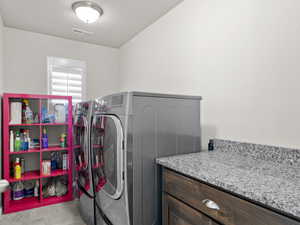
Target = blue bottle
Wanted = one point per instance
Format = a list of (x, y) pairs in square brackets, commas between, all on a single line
[(44, 139), (23, 147)]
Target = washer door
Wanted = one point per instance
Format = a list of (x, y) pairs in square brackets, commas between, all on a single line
[(107, 155)]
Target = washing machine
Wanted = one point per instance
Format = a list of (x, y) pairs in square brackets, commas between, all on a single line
[(83, 171), (128, 132)]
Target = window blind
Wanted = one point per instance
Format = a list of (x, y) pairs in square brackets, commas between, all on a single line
[(66, 79)]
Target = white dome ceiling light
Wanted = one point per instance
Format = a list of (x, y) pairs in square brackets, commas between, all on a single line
[(87, 11)]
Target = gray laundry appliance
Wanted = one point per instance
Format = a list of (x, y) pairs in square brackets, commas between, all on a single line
[(82, 162), (128, 132)]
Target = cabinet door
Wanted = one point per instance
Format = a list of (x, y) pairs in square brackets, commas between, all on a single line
[(233, 210), (176, 212)]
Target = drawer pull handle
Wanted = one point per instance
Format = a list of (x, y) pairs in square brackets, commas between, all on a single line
[(210, 204)]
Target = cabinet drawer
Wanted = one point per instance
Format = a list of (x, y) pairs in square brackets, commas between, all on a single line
[(178, 213), (232, 210)]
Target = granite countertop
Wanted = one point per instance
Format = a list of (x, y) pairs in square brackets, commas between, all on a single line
[(265, 174)]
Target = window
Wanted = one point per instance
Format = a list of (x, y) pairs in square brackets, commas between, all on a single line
[(67, 77)]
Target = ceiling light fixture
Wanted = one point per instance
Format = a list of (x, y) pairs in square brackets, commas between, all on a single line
[(87, 11)]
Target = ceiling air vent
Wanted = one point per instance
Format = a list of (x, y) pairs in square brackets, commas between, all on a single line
[(81, 31)]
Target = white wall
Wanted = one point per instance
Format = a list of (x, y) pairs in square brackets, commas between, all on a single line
[(243, 57), (26, 62)]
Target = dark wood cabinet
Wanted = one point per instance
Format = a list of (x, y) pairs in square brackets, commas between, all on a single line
[(178, 213), (188, 201)]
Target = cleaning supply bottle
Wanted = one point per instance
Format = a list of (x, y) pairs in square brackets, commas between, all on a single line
[(26, 144), (44, 139), (53, 161), (22, 147), (18, 169), (17, 142), (36, 189), (11, 141), (23, 112), (45, 118), (18, 191), (63, 140), (65, 161), (28, 112)]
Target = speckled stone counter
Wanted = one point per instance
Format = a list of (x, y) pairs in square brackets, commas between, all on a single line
[(265, 174)]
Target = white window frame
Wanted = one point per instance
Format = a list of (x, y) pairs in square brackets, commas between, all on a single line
[(67, 65)]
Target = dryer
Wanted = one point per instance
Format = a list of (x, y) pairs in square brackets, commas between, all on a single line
[(128, 132)]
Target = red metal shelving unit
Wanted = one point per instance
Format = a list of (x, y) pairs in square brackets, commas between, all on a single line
[(31, 175), (53, 149), (25, 152), (34, 202)]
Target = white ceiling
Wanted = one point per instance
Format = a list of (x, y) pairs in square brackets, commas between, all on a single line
[(122, 19)]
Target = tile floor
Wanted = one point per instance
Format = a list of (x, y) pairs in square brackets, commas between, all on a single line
[(60, 214)]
